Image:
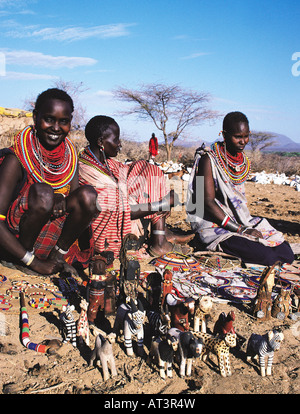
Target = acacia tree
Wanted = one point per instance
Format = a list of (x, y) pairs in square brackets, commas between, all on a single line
[(171, 108), (260, 140)]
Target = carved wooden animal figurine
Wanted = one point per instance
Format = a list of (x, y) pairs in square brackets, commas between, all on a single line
[(68, 325), (282, 305), (263, 302), (203, 307), (163, 350), (224, 324), (103, 352), (264, 346), (159, 323), (189, 348), (180, 311), (220, 347), (130, 318), (83, 332)]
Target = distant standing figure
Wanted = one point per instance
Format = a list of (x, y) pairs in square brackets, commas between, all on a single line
[(153, 147)]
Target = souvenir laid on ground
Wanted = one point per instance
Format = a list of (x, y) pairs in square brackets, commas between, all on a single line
[(291, 273), (2, 279), (219, 260), (215, 281), (252, 281), (185, 285), (239, 293), (177, 262)]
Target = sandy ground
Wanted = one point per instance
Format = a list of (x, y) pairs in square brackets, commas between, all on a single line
[(24, 371)]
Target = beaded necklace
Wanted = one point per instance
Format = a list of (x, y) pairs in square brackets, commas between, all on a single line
[(236, 168), (87, 154), (56, 168)]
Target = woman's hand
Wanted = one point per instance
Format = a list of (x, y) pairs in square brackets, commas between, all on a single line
[(46, 267), (253, 232), (60, 207)]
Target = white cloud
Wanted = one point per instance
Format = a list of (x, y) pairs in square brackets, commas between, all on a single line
[(25, 57), (14, 4), (195, 55), (26, 76), (69, 33), (104, 93)]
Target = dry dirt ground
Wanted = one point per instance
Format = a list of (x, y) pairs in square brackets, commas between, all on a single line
[(24, 371)]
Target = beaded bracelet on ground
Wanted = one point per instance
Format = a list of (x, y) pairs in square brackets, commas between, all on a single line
[(2, 279), (59, 302), (12, 289), (29, 294), (41, 303), (4, 301)]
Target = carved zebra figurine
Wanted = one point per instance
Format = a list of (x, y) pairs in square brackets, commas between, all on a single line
[(264, 346), (159, 323), (130, 318), (68, 325)]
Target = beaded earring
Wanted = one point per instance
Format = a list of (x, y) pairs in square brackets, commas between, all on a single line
[(101, 147)]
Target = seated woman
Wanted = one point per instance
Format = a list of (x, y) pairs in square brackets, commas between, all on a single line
[(226, 224), (126, 193), (43, 210)]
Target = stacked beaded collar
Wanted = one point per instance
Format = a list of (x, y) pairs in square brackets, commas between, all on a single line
[(236, 168), (56, 168)]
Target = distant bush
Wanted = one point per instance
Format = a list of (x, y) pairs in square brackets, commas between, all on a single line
[(274, 162), (288, 154)]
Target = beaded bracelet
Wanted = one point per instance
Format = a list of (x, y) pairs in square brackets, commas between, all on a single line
[(3, 279), (14, 288), (41, 303), (29, 294), (4, 301), (59, 302)]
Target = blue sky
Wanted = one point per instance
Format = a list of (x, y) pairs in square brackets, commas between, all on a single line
[(240, 51)]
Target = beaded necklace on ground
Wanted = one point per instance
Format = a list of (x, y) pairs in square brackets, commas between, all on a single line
[(236, 168), (56, 168)]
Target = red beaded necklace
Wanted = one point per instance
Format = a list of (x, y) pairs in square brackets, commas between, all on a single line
[(56, 168), (237, 168)]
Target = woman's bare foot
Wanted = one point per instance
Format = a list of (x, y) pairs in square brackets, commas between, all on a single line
[(159, 250), (178, 238)]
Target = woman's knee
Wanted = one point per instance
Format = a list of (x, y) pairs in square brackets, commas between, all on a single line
[(41, 198), (87, 199), (285, 253)]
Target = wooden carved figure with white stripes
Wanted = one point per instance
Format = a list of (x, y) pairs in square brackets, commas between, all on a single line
[(68, 325), (264, 346), (130, 319)]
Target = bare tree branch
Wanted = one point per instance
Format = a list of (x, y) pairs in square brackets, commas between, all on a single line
[(260, 140), (168, 107)]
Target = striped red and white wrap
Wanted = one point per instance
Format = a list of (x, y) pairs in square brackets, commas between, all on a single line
[(137, 183)]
